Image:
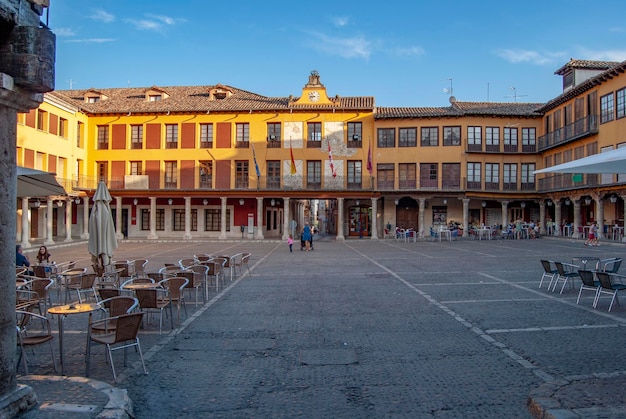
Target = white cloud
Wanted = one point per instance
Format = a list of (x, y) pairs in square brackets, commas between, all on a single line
[(102, 16), (340, 21), (153, 22), (92, 40), (352, 47), (63, 32), (600, 55), (165, 19), (408, 51), (517, 56)]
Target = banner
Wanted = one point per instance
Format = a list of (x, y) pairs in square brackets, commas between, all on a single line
[(256, 166), (293, 162), (369, 158), (330, 158)]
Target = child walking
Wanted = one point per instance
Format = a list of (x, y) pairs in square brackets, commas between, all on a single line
[(290, 243)]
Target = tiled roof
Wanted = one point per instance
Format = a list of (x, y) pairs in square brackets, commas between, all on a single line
[(194, 99), (459, 109), (585, 65), (612, 72)]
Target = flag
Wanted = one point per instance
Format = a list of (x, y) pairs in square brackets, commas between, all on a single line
[(330, 158), (369, 158), (256, 166), (293, 162)]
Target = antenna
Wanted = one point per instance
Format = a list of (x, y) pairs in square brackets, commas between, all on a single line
[(515, 95), (449, 91), (71, 82)]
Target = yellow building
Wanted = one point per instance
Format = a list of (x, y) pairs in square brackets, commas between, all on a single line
[(220, 162)]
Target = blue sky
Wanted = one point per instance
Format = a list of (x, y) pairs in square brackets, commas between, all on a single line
[(405, 55)]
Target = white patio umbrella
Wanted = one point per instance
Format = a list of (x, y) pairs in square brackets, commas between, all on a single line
[(102, 239), (609, 162)]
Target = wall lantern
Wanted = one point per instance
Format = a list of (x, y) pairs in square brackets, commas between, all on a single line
[(241, 201), (77, 200), (567, 201), (37, 203), (483, 204), (549, 202), (59, 204), (397, 201), (445, 202), (613, 199), (135, 201), (205, 201), (523, 205), (587, 201), (272, 202), (170, 201), (358, 203)]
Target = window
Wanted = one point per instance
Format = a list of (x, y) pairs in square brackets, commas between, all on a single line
[(178, 220), (160, 219), (79, 134), (103, 171), (451, 136), (407, 176), (407, 137), (473, 176), (103, 137), (355, 134), (171, 135), (492, 139), (528, 176), (206, 135), (314, 174), (205, 174), (273, 135), (136, 136), (474, 139), (171, 175), (428, 176), (135, 168), (314, 134), (41, 120), (510, 140), (386, 137), (606, 108), (621, 103), (354, 174), (93, 99), (385, 176), (529, 140), (451, 176), (241, 174), (213, 219), (63, 127), (242, 135), (430, 136), (273, 174), (155, 98), (509, 176), (492, 176)]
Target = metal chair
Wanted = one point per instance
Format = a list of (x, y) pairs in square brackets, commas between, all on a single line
[(548, 272), (589, 284), (124, 336), (608, 285), (83, 284), (26, 337), (566, 271)]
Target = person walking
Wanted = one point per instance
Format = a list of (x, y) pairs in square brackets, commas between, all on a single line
[(306, 236), (592, 240), (290, 243)]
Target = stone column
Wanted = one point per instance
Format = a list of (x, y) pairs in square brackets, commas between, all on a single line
[(25, 224), (466, 230), (420, 216), (85, 234), (557, 217), (600, 215), (577, 218), (259, 218), (223, 219), (153, 234), (68, 221), (49, 222), (623, 197), (505, 213), (187, 235), (340, 235), (542, 217), (286, 219), (118, 218), (374, 227)]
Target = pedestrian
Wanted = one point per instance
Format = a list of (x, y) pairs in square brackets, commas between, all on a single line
[(592, 240), (290, 243), (306, 236)]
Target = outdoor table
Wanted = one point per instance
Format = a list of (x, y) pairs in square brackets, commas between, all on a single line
[(567, 230), (618, 232), (61, 312), (583, 261), (141, 286), (486, 231)]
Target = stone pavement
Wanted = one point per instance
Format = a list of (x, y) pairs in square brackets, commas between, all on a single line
[(361, 328)]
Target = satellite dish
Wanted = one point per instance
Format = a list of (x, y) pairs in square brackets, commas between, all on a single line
[(446, 90)]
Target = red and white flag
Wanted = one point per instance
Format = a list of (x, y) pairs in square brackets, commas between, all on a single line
[(330, 158)]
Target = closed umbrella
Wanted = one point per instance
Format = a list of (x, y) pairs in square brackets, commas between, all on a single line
[(102, 239)]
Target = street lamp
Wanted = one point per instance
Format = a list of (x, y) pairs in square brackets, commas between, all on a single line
[(37, 203), (613, 199), (241, 201), (170, 201), (272, 202), (523, 205), (205, 201), (483, 204)]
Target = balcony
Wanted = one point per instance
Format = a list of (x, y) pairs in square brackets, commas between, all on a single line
[(567, 181), (579, 129)]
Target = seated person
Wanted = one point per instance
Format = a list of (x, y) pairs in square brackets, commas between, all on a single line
[(21, 259)]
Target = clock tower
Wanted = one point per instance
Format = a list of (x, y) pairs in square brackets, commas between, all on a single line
[(314, 92)]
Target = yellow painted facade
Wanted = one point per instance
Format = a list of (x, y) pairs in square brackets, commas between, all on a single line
[(189, 154)]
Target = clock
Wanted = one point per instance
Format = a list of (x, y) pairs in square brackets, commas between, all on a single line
[(314, 96)]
